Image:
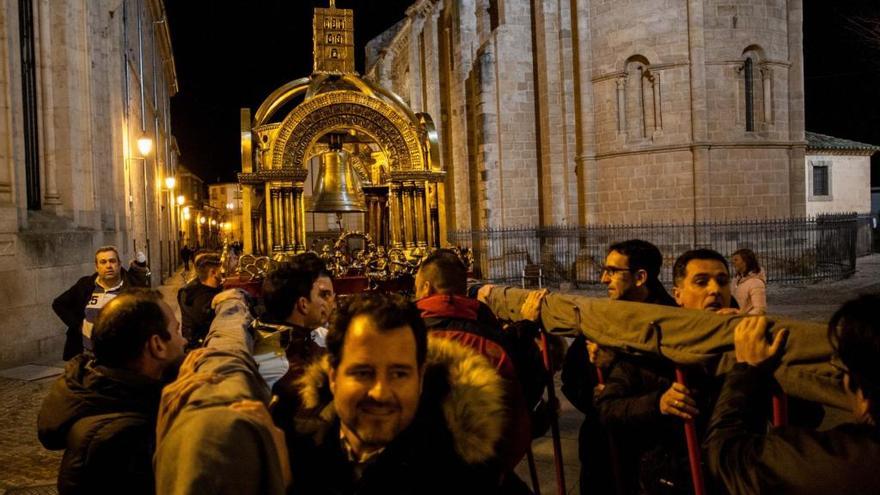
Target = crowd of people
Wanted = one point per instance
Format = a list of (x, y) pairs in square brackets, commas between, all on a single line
[(301, 392)]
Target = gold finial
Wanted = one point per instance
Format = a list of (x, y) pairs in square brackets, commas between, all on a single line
[(332, 4)]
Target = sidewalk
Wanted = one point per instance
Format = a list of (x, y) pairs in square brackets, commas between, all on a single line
[(25, 466)]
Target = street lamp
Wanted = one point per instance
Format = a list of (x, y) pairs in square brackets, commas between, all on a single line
[(181, 200), (170, 182), (145, 145)]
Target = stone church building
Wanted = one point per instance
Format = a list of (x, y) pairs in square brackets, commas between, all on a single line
[(80, 83), (574, 112)]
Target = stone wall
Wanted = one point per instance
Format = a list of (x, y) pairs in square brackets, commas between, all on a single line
[(92, 180), (599, 111)]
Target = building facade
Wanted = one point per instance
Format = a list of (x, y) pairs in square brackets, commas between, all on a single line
[(80, 84), (558, 112), (837, 175), (192, 203), (225, 197)]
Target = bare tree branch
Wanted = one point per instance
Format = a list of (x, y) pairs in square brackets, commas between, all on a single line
[(867, 28)]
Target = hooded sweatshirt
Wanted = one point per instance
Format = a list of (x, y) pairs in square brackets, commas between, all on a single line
[(104, 418), (750, 291)]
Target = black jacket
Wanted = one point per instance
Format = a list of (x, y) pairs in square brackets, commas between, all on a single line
[(747, 459), (445, 450), (105, 419), (70, 306), (196, 314), (579, 380), (651, 446)]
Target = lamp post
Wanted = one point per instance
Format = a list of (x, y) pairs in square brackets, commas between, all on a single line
[(202, 230), (145, 146), (170, 183), (181, 199)]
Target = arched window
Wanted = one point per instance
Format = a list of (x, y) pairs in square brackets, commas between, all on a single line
[(756, 88), (638, 98), (749, 79)]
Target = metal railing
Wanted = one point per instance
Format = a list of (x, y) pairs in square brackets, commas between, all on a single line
[(789, 250)]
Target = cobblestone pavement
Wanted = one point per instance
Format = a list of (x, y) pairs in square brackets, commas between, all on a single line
[(24, 464)]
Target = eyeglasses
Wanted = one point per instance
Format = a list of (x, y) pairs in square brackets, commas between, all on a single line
[(613, 270)]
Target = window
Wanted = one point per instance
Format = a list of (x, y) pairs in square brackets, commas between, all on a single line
[(821, 184), (494, 14), (29, 102), (749, 71)]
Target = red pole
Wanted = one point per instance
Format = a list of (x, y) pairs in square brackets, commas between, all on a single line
[(690, 432), (780, 409), (554, 420)]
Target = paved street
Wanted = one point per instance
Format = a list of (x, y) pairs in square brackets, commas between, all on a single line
[(24, 463)]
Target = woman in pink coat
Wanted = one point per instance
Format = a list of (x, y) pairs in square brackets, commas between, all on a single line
[(750, 283)]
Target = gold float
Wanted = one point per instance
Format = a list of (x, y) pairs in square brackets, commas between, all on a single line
[(379, 159)]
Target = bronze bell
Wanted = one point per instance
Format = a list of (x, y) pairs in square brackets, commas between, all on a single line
[(339, 190)]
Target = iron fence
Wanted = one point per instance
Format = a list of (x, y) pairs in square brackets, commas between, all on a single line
[(789, 250)]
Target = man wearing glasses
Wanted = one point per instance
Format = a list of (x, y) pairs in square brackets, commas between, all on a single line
[(746, 458), (631, 273), (641, 404)]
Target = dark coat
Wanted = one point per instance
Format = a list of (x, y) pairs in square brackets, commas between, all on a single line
[(70, 306), (196, 314), (471, 323), (651, 446), (105, 419), (747, 459), (443, 451), (579, 380)]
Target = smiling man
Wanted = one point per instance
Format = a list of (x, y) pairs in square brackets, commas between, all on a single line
[(376, 393), (405, 417)]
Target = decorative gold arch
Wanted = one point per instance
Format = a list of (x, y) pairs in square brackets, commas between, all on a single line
[(333, 110)]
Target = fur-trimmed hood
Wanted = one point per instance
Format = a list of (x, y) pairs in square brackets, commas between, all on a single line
[(458, 380)]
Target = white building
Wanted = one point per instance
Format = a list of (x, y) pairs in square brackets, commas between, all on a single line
[(838, 175)]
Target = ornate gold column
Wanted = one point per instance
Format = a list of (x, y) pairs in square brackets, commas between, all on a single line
[(408, 215), (269, 221), (277, 221), (290, 224), (384, 220), (299, 219), (394, 214), (421, 221)]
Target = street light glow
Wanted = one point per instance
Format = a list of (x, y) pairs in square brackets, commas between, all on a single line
[(181, 200), (145, 145), (170, 182), (202, 220)]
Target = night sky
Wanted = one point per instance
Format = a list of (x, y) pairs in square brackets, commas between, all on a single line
[(232, 54)]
